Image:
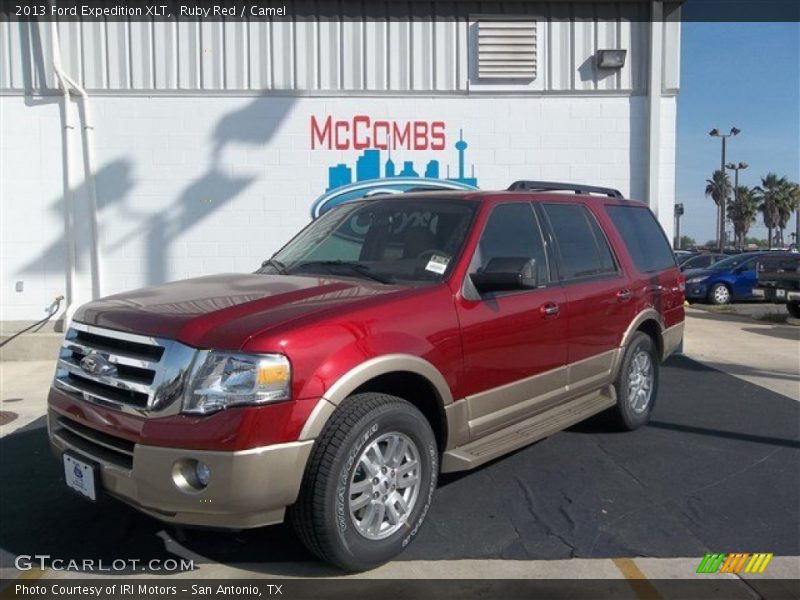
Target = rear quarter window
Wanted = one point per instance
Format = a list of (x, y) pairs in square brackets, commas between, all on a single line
[(643, 236)]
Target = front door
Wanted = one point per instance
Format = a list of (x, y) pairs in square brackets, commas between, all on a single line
[(745, 279), (514, 342)]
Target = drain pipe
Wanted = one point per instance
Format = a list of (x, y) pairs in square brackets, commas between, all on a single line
[(69, 213), (90, 168), (89, 165)]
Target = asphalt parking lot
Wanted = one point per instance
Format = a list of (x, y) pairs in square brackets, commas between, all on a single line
[(715, 471)]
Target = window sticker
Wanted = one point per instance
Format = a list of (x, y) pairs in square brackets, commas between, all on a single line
[(437, 264)]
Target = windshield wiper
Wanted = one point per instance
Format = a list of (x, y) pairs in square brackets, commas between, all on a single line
[(275, 264), (358, 268)]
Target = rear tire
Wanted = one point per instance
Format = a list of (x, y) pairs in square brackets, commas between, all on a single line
[(637, 383), (719, 294), (363, 499), (794, 309)]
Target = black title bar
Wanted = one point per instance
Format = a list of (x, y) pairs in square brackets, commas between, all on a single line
[(357, 10), (127, 588)]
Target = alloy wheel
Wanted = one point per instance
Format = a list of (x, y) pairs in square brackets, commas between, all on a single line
[(384, 486), (640, 381)]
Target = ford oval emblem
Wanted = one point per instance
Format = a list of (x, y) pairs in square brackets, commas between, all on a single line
[(98, 365)]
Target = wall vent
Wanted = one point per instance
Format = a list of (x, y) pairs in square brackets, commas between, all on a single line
[(506, 49)]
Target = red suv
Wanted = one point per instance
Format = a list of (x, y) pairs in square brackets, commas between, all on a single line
[(394, 338)]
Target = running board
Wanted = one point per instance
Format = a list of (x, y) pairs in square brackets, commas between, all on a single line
[(526, 432)]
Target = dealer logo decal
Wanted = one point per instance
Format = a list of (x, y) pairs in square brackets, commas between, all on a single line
[(375, 176)]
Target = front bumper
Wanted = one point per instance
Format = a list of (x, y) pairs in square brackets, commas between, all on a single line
[(776, 295), (696, 291), (247, 488)]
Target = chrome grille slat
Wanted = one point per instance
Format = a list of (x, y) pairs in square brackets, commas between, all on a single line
[(117, 335), (122, 384), (60, 383), (113, 355)]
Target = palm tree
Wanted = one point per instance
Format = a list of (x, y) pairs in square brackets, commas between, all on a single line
[(796, 198), (742, 212), (717, 188), (769, 195), (787, 203)]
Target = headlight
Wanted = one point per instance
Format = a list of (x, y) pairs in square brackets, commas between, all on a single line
[(223, 379), (697, 279)]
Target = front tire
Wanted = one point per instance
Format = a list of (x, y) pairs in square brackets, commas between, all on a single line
[(368, 484), (719, 294), (637, 383), (794, 309)]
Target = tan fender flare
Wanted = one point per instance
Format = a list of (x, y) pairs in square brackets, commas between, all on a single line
[(670, 337), (646, 314), (364, 372)]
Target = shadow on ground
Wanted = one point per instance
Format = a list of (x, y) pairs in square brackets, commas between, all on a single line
[(716, 470)]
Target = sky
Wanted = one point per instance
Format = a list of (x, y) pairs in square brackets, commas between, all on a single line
[(744, 75)]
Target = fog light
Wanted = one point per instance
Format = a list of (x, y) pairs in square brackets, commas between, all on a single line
[(203, 473), (190, 475)]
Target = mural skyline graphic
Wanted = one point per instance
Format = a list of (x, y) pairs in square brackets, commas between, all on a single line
[(368, 167)]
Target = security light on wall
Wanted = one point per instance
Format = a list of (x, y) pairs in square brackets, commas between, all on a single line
[(611, 59)]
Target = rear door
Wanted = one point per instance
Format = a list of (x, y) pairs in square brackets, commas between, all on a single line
[(515, 343), (599, 301), (657, 281)]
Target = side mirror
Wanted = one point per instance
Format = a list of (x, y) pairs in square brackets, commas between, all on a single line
[(506, 273)]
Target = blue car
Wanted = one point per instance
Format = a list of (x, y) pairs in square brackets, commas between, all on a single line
[(730, 280)]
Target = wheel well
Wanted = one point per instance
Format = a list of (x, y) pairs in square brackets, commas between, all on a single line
[(417, 390), (653, 329)]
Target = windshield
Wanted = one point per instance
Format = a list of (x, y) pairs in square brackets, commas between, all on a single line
[(384, 240), (726, 264)]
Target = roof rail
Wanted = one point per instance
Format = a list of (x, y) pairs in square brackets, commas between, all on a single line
[(552, 186)]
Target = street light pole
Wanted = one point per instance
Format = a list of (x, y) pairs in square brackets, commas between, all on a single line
[(678, 214), (723, 199), (736, 167)]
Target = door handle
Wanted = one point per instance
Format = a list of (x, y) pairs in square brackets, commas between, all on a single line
[(551, 309), (624, 295)]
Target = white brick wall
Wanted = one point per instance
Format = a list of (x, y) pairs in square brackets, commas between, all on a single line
[(191, 186)]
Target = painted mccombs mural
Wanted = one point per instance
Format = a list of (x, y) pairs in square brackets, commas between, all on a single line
[(370, 175)]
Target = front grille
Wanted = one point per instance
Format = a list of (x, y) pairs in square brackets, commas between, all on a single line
[(94, 444), (131, 372)]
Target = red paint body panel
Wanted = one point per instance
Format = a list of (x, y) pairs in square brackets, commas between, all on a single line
[(233, 429), (329, 325), (509, 339)]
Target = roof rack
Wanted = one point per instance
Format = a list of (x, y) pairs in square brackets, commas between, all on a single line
[(553, 186)]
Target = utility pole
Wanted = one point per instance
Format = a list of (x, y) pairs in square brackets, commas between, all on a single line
[(723, 200)]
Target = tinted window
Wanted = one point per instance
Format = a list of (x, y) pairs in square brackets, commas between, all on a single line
[(512, 232), (581, 244), (733, 262), (394, 238), (697, 262), (643, 236)]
